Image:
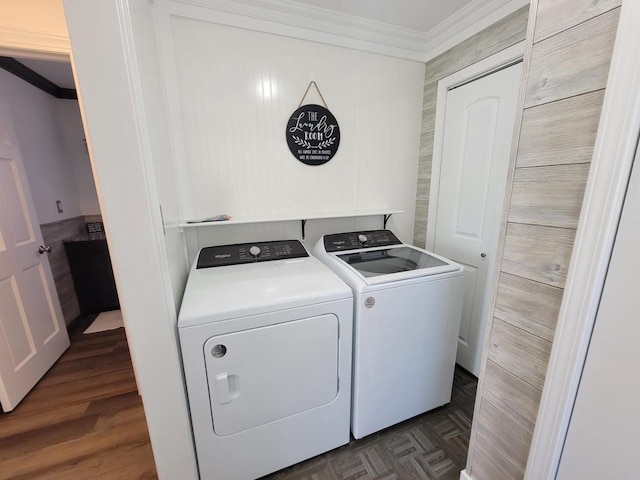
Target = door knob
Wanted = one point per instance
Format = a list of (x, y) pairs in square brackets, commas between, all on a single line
[(483, 254), (44, 248)]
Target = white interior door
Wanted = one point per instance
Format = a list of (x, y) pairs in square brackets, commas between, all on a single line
[(476, 143), (32, 331)]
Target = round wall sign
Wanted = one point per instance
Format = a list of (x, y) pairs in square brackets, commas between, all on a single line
[(313, 134)]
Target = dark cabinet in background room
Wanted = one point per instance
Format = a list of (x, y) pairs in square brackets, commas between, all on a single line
[(92, 274)]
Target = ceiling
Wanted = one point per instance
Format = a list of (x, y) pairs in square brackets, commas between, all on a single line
[(419, 15)]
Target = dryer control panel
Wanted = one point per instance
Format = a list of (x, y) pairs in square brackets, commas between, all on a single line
[(240, 253), (356, 240)]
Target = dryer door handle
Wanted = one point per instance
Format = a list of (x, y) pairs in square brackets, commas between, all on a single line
[(222, 388), (227, 387)]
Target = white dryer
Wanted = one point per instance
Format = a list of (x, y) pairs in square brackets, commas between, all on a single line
[(407, 311), (266, 334)]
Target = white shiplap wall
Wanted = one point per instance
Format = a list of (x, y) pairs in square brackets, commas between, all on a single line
[(232, 91)]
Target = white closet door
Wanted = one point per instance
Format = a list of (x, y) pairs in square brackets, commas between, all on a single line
[(479, 123)]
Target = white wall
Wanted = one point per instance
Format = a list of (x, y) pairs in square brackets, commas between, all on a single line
[(603, 440), (231, 152), (48, 165), (69, 125), (161, 148)]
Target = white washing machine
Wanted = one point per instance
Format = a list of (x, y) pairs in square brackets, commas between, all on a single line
[(266, 335), (407, 311)]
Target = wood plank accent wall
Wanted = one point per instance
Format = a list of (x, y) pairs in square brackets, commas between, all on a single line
[(493, 39), (53, 234), (567, 56)]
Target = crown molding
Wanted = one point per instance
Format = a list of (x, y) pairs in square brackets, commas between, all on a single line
[(289, 18), (33, 44), (472, 19)]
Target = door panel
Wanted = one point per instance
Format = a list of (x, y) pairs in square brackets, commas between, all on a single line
[(476, 143), (41, 309), (19, 220), (478, 127), (14, 323), (32, 330)]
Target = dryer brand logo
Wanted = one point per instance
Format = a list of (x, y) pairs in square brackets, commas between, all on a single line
[(369, 302), (223, 255)]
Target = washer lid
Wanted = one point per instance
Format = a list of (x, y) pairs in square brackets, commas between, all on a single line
[(223, 293), (383, 265), (378, 266), (386, 261)]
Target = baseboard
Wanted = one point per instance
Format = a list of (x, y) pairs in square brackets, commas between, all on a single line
[(73, 324), (79, 324), (465, 476)]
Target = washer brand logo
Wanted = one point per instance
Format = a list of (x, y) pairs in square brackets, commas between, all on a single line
[(223, 255), (369, 302)]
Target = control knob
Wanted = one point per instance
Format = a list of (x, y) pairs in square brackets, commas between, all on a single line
[(254, 251), (362, 238)]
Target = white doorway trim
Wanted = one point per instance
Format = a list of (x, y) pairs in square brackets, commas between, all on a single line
[(151, 333), (479, 69), (613, 156), (108, 77)]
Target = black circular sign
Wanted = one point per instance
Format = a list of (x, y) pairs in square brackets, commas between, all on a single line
[(313, 134)]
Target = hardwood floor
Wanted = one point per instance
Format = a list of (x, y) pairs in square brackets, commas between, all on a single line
[(83, 420)]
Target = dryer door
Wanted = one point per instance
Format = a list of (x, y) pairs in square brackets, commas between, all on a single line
[(264, 374)]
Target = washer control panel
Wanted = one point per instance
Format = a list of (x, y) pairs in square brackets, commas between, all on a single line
[(355, 240), (240, 253)]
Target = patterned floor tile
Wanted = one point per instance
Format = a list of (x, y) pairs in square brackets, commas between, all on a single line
[(432, 446)]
